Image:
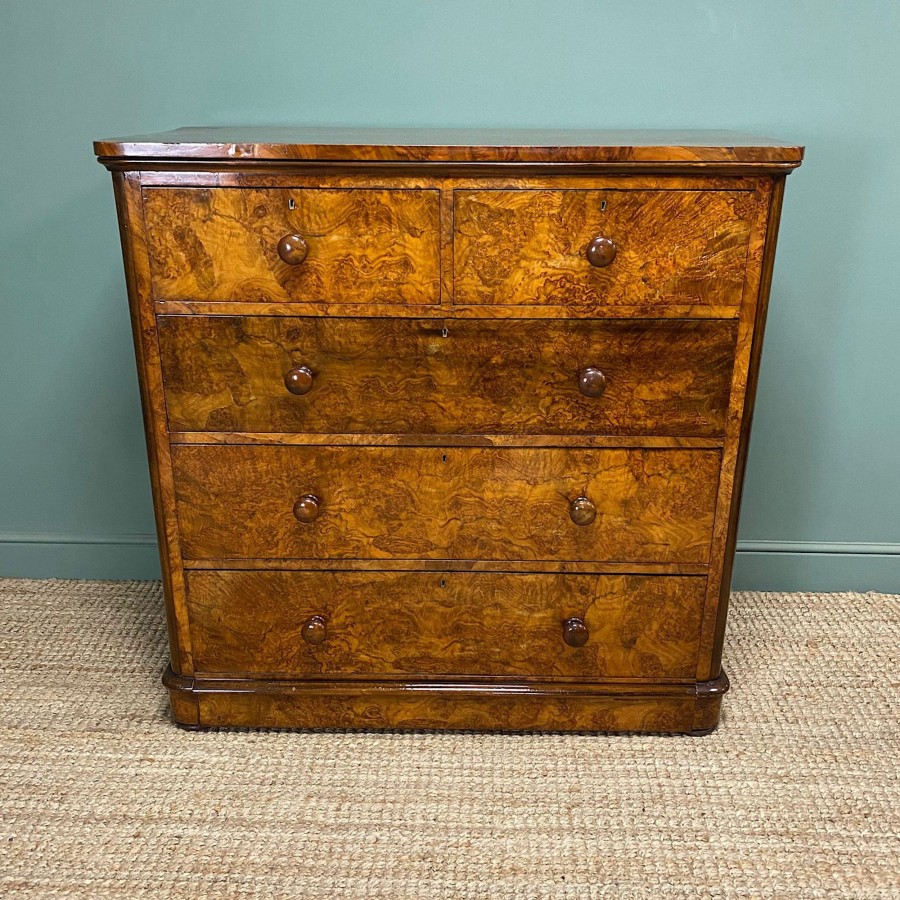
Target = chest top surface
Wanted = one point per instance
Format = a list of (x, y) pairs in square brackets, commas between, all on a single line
[(453, 145)]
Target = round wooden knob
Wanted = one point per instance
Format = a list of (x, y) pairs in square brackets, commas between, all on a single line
[(299, 380), (582, 511), (591, 382), (314, 630), (293, 249), (306, 509), (575, 632), (601, 251)]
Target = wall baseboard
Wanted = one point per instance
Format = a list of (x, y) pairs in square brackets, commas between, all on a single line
[(83, 556), (759, 565), (816, 566)]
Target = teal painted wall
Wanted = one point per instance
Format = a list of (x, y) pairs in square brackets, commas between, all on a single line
[(822, 498)]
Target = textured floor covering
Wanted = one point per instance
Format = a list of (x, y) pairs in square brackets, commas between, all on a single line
[(796, 796)]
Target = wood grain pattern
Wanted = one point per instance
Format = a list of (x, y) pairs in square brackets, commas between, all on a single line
[(435, 286), (432, 377), (525, 247), (442, 440), (414, 623), (363, 245), (230, 143), (447, 312), (509, 706), (445, 178), (143, 326), (746, 373), (521, 566), (463, 503), (475, 710)]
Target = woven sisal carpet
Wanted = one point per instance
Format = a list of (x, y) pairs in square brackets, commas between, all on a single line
[(796, 796)]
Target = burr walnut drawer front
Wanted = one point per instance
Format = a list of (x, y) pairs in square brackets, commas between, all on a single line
[(619, 248), (302, 245), (272, 502), (388, 375), (455, 623)]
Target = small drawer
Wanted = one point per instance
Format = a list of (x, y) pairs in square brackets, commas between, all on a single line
[(294, 245), (309, 624), (667, 377), (304, 502), (610, 248)]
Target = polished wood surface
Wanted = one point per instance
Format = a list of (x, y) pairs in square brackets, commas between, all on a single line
[(443, 704), (575, 632), (740, 420), (306, 508), (523, 247), (299, 380), (592, 382), (582, 511), (601, 252), (357, 246), (153, 404), (292, 249), (459, 623), (460, 503), (441, 440), (314, 631), (236, 144), (405, 375), (447, 429), (447, 311), (537, 566)]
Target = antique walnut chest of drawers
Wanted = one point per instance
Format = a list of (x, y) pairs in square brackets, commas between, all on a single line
[(447, 429)]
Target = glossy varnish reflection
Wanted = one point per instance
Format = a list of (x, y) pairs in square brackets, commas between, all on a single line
[(535, 246), (454, 503), (447, 429), (395, 376), (444, 623), (358, 246)]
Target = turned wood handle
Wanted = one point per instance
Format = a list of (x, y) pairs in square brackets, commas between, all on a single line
[(306, 509), (575, 632), (292, 249), (299, 380), (314, 630), (591, 382), (601, 251), (582, 511)]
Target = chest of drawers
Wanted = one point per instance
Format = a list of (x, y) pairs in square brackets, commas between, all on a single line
[(447, 429)]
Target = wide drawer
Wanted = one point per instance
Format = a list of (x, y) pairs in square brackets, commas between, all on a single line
[(458, 503), (653, 248), (526, 376), (303, 245), (418, 623)]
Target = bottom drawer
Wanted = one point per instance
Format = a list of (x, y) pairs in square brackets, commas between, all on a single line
[(293, 624)]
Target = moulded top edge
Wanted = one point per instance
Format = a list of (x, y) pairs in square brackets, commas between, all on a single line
[(453, 145)]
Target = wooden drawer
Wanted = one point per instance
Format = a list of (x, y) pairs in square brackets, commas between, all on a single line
[(444, 624), (431, 503), (362, 246), (531, 247), (401, 376)]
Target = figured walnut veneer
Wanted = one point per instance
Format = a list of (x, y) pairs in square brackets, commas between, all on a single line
[(362, 246), (671, 247), (449, 623), (455, 503), (409, 376), (447, 429)]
